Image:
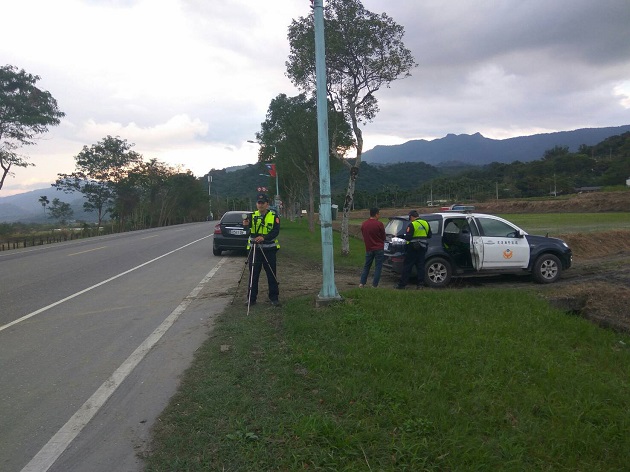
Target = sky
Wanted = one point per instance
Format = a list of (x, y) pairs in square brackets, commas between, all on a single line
[(189, 81)]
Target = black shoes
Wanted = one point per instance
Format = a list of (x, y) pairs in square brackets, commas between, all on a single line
[(253, 302)]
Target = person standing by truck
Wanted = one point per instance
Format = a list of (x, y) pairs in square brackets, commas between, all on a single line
[(416, 235), (373, 233)]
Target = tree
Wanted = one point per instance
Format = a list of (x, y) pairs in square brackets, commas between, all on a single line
[(60, 211), (25, 112), (99, 168), (364, 52), (44, 201), (291, 126)]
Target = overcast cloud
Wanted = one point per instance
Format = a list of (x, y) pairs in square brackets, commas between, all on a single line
[(189, 81)]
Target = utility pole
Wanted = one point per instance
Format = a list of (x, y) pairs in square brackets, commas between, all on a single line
[(210, 197), (328, 292)]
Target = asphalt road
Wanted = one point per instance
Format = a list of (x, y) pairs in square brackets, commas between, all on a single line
[(94, 335)]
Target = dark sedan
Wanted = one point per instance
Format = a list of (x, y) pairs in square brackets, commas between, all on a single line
[(230, 234)]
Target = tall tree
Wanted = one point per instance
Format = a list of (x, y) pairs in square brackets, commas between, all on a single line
[(25, 112), (364, 52), (291, 126), (98, 170), (60, 211), (44, 201)]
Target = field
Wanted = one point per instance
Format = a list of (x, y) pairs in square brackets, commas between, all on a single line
[(485, 375)]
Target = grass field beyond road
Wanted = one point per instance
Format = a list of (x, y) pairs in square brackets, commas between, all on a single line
[(461, 379)]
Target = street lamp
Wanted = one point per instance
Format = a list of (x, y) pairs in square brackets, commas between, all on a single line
[(275, 152), (210, 197)]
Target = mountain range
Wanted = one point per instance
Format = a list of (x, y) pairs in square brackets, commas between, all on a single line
[(475, 149), (451, 150), (25, 207)]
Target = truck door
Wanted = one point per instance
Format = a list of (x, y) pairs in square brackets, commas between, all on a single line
[(503, 245), (476, 244)]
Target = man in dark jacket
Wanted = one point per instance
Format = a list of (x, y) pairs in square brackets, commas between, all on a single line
[(373, 233)]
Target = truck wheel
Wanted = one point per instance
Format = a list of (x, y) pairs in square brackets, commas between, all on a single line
[(437, 273), (547, 269)]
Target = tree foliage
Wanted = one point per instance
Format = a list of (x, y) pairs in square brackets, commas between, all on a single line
[(413, 184), (364, 53), (98, 170), (25, 112), (290, 129), (60, 211)]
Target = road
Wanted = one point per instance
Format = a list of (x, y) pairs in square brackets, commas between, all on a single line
[(94, 335)]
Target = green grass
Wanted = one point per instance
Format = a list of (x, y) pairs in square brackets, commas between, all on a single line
[(297, 242), (562, 223), (462, 379)]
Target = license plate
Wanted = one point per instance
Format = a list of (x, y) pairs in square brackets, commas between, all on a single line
[(386, 246), (238, 232)]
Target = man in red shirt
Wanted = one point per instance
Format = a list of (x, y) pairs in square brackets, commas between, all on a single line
[(374, 238)]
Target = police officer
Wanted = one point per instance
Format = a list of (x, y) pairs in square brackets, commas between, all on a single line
[(263, 242), (416, 234)]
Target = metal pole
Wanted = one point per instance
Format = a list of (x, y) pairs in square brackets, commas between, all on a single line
[(275, 160), (210, 197), (328, 292)]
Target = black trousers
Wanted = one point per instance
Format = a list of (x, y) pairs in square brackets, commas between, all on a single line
[(263, 258), (413, 257)]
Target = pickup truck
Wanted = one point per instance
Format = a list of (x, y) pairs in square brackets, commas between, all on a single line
[(468, 244)]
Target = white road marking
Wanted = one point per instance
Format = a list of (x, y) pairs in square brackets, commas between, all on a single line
[(47, 456), (88, 250), (74, 295)]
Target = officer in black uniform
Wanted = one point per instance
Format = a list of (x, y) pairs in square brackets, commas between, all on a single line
[(263, 242), (416, 235)]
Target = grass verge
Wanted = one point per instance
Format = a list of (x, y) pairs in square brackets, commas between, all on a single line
[(479, 379)]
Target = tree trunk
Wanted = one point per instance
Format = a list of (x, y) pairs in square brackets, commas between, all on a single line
[(354, 172), (311, 203)]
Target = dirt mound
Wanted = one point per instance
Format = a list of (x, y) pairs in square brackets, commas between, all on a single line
[(581, 203), (595, 245)]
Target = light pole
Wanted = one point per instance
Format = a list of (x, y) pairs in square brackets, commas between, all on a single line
[(328, 292), (210, 197), (275, 153)]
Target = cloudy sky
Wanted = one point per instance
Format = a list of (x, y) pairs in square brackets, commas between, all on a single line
[(189, 81)]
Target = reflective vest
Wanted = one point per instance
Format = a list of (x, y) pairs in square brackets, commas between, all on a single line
[(420, 230), (262, 226)]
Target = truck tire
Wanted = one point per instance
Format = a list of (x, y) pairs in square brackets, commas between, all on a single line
[(547, 269), (437, 272)]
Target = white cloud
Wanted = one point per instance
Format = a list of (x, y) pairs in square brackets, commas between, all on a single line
[(622, 91), (189, 81)]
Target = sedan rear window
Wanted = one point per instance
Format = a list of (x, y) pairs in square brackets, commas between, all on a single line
[(233, 218)]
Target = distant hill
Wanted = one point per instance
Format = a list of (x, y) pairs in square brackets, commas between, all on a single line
[(384, 167), (476, 149), (25, 207)]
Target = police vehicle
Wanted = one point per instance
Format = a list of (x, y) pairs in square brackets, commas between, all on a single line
[(464, 243)]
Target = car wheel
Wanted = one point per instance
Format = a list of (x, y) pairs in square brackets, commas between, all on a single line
[(437, 273), (547, 269), (216, 251)]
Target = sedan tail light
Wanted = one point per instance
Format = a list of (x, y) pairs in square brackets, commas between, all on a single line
[(217, 229)]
